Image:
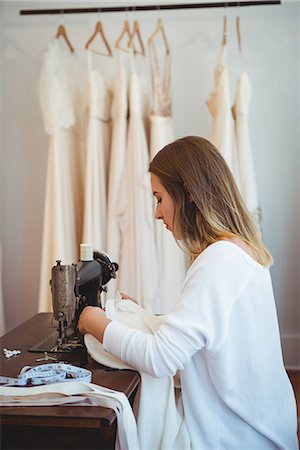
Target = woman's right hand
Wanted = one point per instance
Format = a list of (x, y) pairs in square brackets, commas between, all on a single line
[(127, 297)]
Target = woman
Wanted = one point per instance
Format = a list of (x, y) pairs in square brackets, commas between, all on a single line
[(223, 336)]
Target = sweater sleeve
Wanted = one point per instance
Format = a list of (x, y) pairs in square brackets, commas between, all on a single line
[(200, 321)]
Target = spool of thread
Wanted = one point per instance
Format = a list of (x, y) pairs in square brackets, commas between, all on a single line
[(86, 252)]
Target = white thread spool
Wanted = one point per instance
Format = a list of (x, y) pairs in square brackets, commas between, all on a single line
[(86, 252)]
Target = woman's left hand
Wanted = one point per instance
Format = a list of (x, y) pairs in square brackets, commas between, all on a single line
[(93, 320)]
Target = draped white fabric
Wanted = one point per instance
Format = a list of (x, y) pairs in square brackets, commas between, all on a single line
[(219, 104), (157, 407), (97, 149), (61, 83), (171, 259), (138, 274), (116, 166), (78, 394)]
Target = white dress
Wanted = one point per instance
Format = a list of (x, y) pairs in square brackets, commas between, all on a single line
[(244, 151), (138, 273), (219, 105), (97, 146), (116, 167), (61, 103), (171, 259)]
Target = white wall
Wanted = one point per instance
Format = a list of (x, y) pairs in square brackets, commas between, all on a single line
[(270, 39)]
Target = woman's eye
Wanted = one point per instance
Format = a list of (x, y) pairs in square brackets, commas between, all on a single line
[(158, 200)]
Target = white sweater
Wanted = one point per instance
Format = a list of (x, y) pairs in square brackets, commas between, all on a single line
[(223, 336)]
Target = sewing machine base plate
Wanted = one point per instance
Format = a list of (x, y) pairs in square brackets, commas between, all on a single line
[(49, 344)]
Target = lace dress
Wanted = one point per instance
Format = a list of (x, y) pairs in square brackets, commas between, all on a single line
[(61, 99), (171, 259)]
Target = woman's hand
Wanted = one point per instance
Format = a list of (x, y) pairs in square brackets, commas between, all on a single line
[(93, 320), (127, 297)]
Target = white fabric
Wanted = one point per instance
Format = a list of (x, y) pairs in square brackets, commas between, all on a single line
[(171, 259), (223, 336), (245, 160), (85, 394), (97, 148), (155, 405), (2, 317), (116, 167), (61, 102), (219, 104), (138, 274)]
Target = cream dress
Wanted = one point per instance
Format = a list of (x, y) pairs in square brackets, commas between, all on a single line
[(116, 167), (171, 259), (97, 154), (219, 105), (244, 151), (138, 273), (61, 98)]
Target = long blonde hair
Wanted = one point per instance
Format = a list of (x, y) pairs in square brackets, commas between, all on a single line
[(207, 202)]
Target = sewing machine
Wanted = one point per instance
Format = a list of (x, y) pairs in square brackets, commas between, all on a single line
[(73, 288)]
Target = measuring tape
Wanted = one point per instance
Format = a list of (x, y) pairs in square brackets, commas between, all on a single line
[(48, 374)]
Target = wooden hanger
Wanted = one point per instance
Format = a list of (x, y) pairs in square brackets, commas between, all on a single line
[(159, 29), (238, 32), (136, 32), (61, 32), (99, 30), (125, 32), (224, 40)]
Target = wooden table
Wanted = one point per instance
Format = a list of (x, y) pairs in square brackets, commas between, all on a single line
[(58, 427)]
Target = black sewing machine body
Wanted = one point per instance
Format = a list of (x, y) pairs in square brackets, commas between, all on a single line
[(74, 287)]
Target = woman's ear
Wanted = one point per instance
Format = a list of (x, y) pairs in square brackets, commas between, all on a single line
[(190, 198)]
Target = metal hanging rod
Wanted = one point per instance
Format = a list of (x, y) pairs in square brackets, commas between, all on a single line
[(111, 9)]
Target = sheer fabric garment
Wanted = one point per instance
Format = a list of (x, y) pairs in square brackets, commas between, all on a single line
[(171, 259), (138, 274), (219, 105), (245, 160), (116, 167), (96, 167), (61, 97)]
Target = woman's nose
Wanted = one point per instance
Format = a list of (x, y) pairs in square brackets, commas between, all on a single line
[(158, 213)]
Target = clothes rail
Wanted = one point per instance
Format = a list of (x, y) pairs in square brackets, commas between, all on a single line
[(111, 9)]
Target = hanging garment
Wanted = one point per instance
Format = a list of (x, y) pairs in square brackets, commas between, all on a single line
[(245, 160), (61, 103), (156, 405), (78, 394), (98, 143), (171, 259), (116, 167), (138, 272), (219, 105), (2, 318)]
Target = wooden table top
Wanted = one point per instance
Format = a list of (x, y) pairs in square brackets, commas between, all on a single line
[(26, 336)]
